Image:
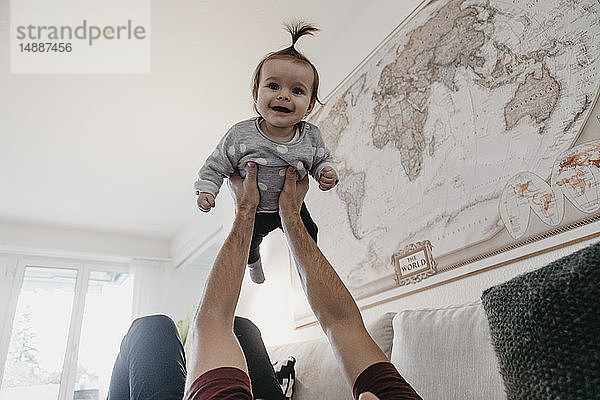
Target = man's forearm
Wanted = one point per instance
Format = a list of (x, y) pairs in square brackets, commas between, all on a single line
[(327, 295), (225, 279), (331, 302)]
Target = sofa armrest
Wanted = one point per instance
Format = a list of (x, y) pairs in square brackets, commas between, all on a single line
[(545, 327)]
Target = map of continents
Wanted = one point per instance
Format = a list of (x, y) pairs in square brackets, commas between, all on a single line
[(431, 127)]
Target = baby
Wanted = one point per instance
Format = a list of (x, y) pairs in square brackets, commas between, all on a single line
[(285, 86)]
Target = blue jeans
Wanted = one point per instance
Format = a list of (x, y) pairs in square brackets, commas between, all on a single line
[(151, 362)]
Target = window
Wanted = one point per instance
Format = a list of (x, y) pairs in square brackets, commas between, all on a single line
[(106, 319), (66, 332)]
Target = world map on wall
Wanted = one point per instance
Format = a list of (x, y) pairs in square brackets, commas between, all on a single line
[(463, 123)]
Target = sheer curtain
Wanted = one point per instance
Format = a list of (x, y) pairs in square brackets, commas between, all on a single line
[(150, 286)]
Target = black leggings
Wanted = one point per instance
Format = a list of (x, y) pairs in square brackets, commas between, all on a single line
[(265, 223), (151, 362)]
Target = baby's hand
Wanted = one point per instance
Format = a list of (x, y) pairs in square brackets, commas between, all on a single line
[(328, 178), (206, 201)]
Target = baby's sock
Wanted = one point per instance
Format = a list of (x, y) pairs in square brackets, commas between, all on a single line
[(256, 271)]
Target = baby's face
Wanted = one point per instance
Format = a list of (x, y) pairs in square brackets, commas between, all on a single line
[(284, 92)]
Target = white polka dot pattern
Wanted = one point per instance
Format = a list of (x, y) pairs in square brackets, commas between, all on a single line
[(282, 148), (262, 186)]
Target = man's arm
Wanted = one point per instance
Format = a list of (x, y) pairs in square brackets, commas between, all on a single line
[(213, 342), (327, 295)]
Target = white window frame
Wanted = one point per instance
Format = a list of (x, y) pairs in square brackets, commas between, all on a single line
[(83, 267)]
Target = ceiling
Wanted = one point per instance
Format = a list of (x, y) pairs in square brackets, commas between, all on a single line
[(119, 152)]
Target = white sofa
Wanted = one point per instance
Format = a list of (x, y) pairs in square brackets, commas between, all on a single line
[(443, 353)]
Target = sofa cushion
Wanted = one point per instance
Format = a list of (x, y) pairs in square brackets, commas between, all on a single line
[(382, 332), (446, 353), (317, 373), (545, 326)]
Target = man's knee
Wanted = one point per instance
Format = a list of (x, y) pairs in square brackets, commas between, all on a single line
[(243, 326), (157, 324)]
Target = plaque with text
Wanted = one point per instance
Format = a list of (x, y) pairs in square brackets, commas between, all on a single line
[(414, 263)]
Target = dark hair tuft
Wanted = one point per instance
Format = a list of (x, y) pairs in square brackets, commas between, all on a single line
[(298, 29)]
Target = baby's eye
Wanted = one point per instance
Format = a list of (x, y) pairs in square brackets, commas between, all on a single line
[(297, 91), (273, 86)]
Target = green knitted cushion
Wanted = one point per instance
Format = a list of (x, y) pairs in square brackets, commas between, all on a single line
[(545, 327)]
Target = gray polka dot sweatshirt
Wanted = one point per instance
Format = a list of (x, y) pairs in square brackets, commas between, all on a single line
[(246, 142)]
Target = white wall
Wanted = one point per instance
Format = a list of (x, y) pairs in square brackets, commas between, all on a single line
[(65, 242), (186, 284), (199, 233), (8, 270)]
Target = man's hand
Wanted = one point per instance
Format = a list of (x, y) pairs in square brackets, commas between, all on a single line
[(292, 195), (328, 178), (245, 191), (205, 201)]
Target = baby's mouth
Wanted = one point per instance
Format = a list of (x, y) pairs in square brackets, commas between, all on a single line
[(281, 109)]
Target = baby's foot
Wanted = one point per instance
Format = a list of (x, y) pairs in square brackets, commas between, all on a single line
[(256, 271)]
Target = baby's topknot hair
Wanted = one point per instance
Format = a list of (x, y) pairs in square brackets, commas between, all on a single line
[(299, 29)]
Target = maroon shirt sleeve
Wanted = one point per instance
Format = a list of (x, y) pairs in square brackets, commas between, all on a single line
[(383, 380), (224, 383)]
